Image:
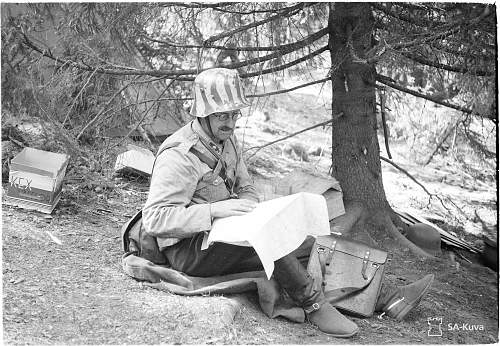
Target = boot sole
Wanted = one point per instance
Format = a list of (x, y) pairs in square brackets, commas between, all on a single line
[(342, 335)]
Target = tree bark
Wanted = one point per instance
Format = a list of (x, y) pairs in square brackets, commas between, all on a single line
[(355, 148)]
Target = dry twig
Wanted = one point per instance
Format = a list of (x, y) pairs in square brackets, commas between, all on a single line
[(260, 147)]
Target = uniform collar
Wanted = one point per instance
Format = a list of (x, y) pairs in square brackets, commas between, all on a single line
[(198, 129)]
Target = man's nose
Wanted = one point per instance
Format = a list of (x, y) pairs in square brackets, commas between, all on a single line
[(230, 122)]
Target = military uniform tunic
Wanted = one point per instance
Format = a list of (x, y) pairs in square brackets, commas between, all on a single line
[(182, 186)]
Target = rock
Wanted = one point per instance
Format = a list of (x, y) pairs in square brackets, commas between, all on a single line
[(296, 151), (315, 151)]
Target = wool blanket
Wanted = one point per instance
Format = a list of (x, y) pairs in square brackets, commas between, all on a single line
[(273, 301)]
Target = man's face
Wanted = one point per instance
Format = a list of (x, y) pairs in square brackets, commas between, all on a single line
[(223, 124)]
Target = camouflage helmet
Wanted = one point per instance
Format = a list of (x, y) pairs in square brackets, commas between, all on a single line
[(217, 90)]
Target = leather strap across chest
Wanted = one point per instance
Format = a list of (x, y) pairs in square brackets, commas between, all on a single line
[(211, 162)]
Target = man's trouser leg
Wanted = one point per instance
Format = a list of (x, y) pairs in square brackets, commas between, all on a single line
[(218, 259)]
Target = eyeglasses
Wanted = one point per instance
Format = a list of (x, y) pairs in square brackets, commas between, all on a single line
[(224, 116)]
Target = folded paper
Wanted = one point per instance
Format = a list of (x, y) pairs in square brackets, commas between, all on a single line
[(274, 228)]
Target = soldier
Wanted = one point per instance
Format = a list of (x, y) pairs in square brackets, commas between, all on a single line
[(199, 175)]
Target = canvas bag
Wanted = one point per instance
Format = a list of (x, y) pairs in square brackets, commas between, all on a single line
[(136, 240), (351, 273)]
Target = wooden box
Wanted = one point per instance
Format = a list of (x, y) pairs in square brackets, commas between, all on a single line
[(298, 181), (35, 179)]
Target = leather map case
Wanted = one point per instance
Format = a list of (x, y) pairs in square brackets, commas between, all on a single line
[(351, 273)]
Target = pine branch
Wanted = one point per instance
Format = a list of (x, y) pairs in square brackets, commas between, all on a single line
[(449, 29), (178, 74), (387, 81), (311, 38), (282, 91), (464, 54), (285, 66), (286, 12), (276, 92), (291, 48), (459, 69), (399, 16), (418, 7), (117, 72), (243, 13), (196, 5)]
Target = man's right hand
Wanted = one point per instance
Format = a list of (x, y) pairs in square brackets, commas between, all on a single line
[(231, 207)]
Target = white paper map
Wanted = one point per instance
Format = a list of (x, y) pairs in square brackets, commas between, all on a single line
[(275, 227)]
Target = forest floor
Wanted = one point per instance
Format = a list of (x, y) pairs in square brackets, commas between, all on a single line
[(63, 282)]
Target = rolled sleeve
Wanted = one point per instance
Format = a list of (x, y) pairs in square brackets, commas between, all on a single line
[(167, 212)]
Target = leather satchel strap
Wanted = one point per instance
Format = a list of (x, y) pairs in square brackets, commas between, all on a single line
[(337, 294), (329, 256)]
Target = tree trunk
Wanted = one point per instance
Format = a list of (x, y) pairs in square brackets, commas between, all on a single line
[(355, 148)]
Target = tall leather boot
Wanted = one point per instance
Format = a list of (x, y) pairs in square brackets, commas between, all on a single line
[(301, 287), (397, 302)]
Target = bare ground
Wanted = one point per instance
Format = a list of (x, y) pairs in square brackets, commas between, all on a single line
[(63, 283)]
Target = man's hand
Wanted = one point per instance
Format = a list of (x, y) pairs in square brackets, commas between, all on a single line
[(232, 207)]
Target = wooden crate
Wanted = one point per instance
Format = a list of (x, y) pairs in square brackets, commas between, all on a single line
[(35, 179)]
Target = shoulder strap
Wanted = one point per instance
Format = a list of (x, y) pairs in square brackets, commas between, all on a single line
[(210, 162)]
